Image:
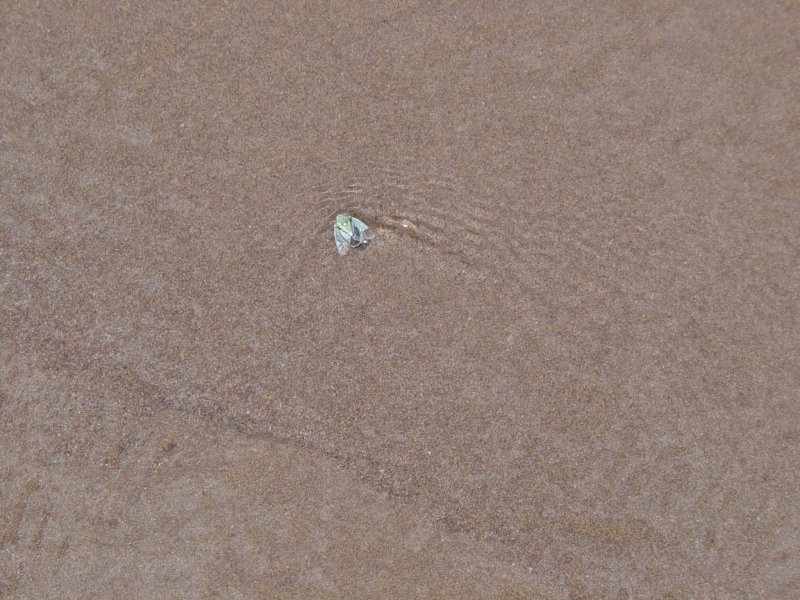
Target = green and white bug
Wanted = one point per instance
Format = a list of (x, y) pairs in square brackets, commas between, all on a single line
[(349, 232)]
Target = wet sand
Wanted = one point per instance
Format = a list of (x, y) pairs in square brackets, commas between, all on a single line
[(567, 366)]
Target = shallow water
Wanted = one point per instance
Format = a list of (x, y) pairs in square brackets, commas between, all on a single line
[(564, 366)]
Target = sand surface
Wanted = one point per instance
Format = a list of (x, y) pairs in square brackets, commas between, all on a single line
[(567, 366)]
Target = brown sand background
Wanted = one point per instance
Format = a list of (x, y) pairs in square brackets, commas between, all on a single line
[(567, 366)]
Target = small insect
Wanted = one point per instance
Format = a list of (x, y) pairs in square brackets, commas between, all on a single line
[(349, 232)]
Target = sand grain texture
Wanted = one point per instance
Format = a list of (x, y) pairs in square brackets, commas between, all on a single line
[(566, 366)]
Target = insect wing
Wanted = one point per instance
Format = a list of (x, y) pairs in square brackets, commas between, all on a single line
[(363, 233), (342, 240)]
